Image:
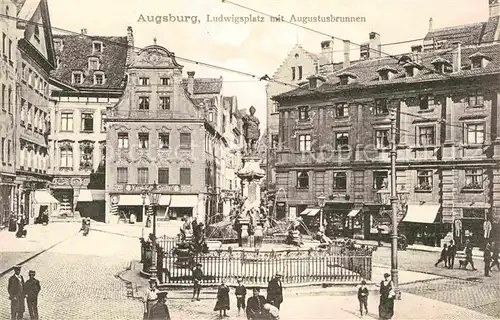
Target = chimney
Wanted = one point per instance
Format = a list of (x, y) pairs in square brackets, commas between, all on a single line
[(364, 51), (457, 57), (326, 56), (347, 50), (130, 44), (430, 24), (494, 8), (190, 82), (375, 45), (84, 32)]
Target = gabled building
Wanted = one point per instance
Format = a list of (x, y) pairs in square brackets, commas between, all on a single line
[(36, 59), (88, 78)]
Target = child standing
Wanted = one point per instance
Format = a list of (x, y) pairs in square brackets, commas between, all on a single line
[(363, 297), (241, 292), (222, 303)]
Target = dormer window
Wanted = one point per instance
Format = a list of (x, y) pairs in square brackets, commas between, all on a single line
[(442, 65), (347, 78), (99, 78), (479, 60), (77, 77), (58, 44), (412, 69), (313, 81), (386, 73), (404, 59), (37, 33), (93, 63), (97, 46)]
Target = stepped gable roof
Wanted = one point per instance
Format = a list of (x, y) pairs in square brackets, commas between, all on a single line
[(366, 71), (205, 85), (75, 54)]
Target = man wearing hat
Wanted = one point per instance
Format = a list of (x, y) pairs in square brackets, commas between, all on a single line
[(150, 296), (16, 294), (159, 311), (275, 291), (255, 306), (197, 278), (31, 290)]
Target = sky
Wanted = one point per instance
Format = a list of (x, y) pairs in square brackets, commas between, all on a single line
[(258, 48)]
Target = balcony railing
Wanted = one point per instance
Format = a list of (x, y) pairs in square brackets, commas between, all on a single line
[(154, 114)]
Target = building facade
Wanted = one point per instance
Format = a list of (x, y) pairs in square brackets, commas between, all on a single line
[(90, 76), (335, 141), (35, 61), (8, 112)]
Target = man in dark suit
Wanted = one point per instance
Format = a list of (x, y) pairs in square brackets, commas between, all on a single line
[(255, 306), (487, 260), (275, 291), (31, 289), (159, 311), (16, 294), (452, 252)]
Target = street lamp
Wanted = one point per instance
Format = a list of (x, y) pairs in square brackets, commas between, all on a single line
[(321, 203), (144, 195), (154, 198)]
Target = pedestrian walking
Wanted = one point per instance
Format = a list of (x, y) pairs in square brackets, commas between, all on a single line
[(379, 236), (452, 252), (494, 256), (487, 259), (240, 292), (197, 279), (222, 304), (468, 255), (16, 294), (363, 298), (443, 257), (275, 291), (31, 290), (255, 306), (150, 297), (387, 295), (272, 312), (159, 311), (21, 233)]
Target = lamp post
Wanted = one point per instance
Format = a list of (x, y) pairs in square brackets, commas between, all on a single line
[(153, 200), (321, 203)]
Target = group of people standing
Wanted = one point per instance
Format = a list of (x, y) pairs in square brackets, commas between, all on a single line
[(19, 291)]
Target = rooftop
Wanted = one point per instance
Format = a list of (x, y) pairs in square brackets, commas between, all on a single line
[(467, 34), (205, 85)]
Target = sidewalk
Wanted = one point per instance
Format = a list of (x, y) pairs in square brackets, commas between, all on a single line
[(39, 239)]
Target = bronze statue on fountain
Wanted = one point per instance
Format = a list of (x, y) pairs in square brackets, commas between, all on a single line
[(192, 242), (251, 132)]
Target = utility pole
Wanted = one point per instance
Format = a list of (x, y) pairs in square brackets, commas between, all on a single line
[(394, 205)]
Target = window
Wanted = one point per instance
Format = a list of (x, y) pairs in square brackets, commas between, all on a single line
[(293, 73), (165, 81), (103, 122), (4, 40), (164, 140), (305, 142), (93, 63), (341, 110), (66, 121), (165, 103), (87, 122), (185, 140), (474, 133), (3, 149), (304, 113), (424, 180), (381, 107), (97, 46), (37, 33), (3, 96), (275, 106), (426, 136), (163, 176), (77, 77), (302, 180), (98, 78), (339, 181), (380, 180), (143, 103), (475, 99), (341, 140), (66, 158), (473, 179), (300, 73), (143, 140), (211, 117), (476, 63), (10, 50), (122, 140), (426, 102), (142, 176), (144, 81), (382, 138), (185, 176), (384, 75), (344, 80), (274, 141), (121, 175)]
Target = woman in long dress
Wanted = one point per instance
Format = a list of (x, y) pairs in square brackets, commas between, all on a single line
[(386, 306), (222, 299)]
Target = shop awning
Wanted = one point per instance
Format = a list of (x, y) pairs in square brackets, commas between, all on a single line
[(305, 212), (91, 195), (44, 197), (421, 213), (312, 212), (165, 200), (131, 200), (353, 213), (184, 201)]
